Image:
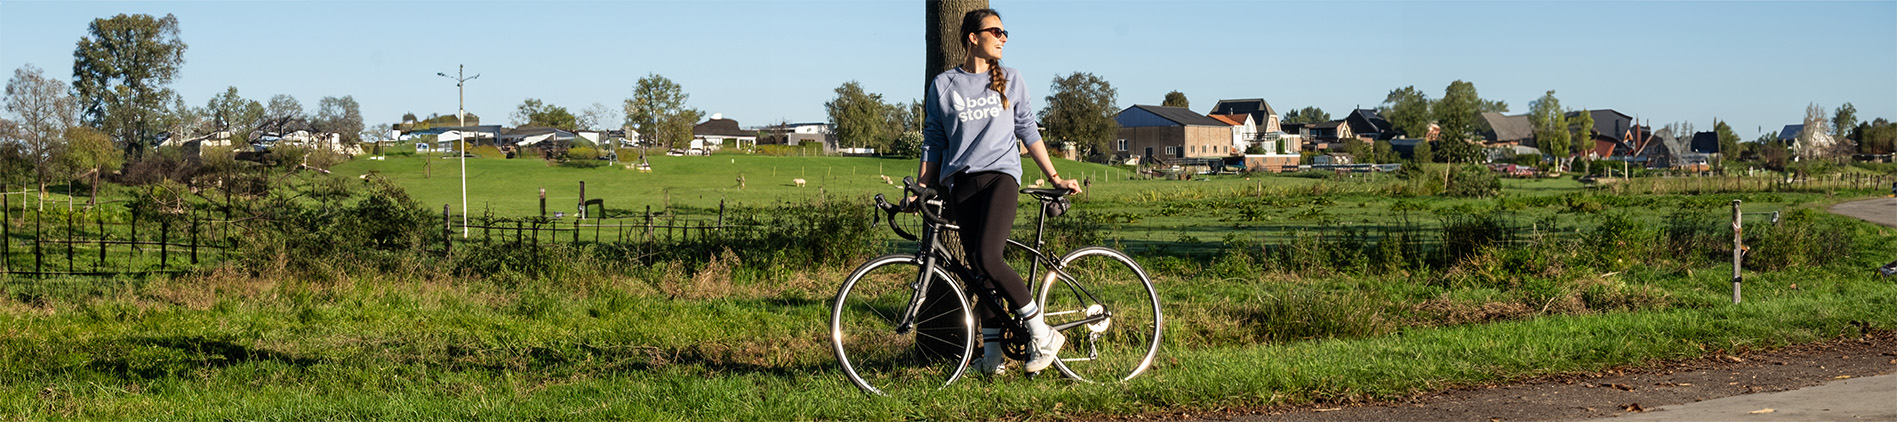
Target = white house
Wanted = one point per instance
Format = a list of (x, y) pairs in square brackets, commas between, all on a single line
[(712, 135), (1244, 129)]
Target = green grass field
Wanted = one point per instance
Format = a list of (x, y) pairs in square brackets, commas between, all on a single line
[(732, 338)]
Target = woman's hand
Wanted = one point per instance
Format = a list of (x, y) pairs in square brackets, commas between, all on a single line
[(1068, 184)]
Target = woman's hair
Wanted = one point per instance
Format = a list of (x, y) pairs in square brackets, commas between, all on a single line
[(971, 22)]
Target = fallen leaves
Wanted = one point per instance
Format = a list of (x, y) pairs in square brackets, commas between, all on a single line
[(1761, 411), (1633, 407)]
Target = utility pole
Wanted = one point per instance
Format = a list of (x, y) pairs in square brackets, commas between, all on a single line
[(461, 119)]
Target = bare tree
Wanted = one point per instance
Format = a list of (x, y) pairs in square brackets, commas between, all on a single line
[(42, 111), (1814, 141), (282, 106), (598, 116)]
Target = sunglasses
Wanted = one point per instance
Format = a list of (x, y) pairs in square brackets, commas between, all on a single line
[(997, 32)]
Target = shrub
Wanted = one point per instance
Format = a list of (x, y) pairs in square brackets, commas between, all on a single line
[(1473, 181)]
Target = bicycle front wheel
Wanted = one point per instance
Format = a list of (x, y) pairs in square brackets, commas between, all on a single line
[(882, 358), (1113, 310)]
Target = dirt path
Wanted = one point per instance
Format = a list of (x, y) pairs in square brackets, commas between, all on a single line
[(1613, 393), (1877, 210)]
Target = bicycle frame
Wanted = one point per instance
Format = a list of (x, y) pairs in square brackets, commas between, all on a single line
[(930, 252)]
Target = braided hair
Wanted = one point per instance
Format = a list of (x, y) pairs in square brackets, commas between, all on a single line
[(971, 22)]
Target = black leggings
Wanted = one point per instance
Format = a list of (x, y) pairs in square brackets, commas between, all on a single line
[(984, 205)]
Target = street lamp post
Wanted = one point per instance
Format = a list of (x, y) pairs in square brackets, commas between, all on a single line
[(461, 119)]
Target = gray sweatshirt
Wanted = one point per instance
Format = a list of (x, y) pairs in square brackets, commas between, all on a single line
[(965, 129)]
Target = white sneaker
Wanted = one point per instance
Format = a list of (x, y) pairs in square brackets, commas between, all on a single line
[(1047, 343), (993, 361)]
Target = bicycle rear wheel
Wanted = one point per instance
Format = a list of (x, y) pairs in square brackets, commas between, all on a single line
[(1112, 289), (863, 328)]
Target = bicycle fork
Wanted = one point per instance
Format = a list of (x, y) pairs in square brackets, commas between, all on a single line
[(920, 289)]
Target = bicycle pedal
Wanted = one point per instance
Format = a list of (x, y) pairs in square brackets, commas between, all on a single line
[(1032, 375)]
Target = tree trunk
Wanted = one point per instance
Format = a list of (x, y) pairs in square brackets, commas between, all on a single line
[(943, 28), (942, 33)]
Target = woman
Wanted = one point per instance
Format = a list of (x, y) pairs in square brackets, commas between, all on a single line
[(976, 112)]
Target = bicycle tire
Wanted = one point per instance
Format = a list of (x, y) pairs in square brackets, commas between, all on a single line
[(1104, 281), (863, 320)]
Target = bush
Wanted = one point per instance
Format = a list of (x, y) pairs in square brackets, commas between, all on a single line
[(1473, 181)]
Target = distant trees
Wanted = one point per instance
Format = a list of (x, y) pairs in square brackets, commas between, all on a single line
[(1081, 108), (598, 116), (1551, 127), (1877, 137), (283, 106), (1408, 109), (340, 115), (533, 113), (42, 113), (657, 109), (1843, 120), (92, 151), (232, 112), (120, 72), (860, 118), (1728, 141), (1176, 99), (1306, 115)]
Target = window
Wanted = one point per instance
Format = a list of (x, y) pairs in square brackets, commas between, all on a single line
[(1170, 150), (1122, 145)]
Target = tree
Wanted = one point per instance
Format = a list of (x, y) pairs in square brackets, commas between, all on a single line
[(1176, 99), (376, 134), (1843, 120), (657, 109), (598, 116), (93, 151), (120, 72), (43, 111), (1877, 137), (1458, 112), (1551, 127), (283, 106), (1307, 115), (1807, 145), (1081, 108), (1584, 135), (860, 117), (532, 113), (1728, 141), (1408, 109), (340, 116), (1422, 153), (232, 112), (942, 35)]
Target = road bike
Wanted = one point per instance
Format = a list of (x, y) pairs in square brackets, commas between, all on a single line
[(904, 321)]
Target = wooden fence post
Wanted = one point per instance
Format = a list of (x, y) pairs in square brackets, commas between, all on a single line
[(6, 236), (69, 238), (164, 244), (194, 238), (1738, 251), (38, 217), (447, 231), (100, 216)]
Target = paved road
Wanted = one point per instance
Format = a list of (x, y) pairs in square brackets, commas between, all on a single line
[(1878, 210), (1855, 399)]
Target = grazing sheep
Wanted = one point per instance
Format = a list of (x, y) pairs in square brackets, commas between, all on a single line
[(1037, 183), (886, 180), (798, 181)]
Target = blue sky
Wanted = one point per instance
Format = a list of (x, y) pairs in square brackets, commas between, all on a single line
[(1751, 63)]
